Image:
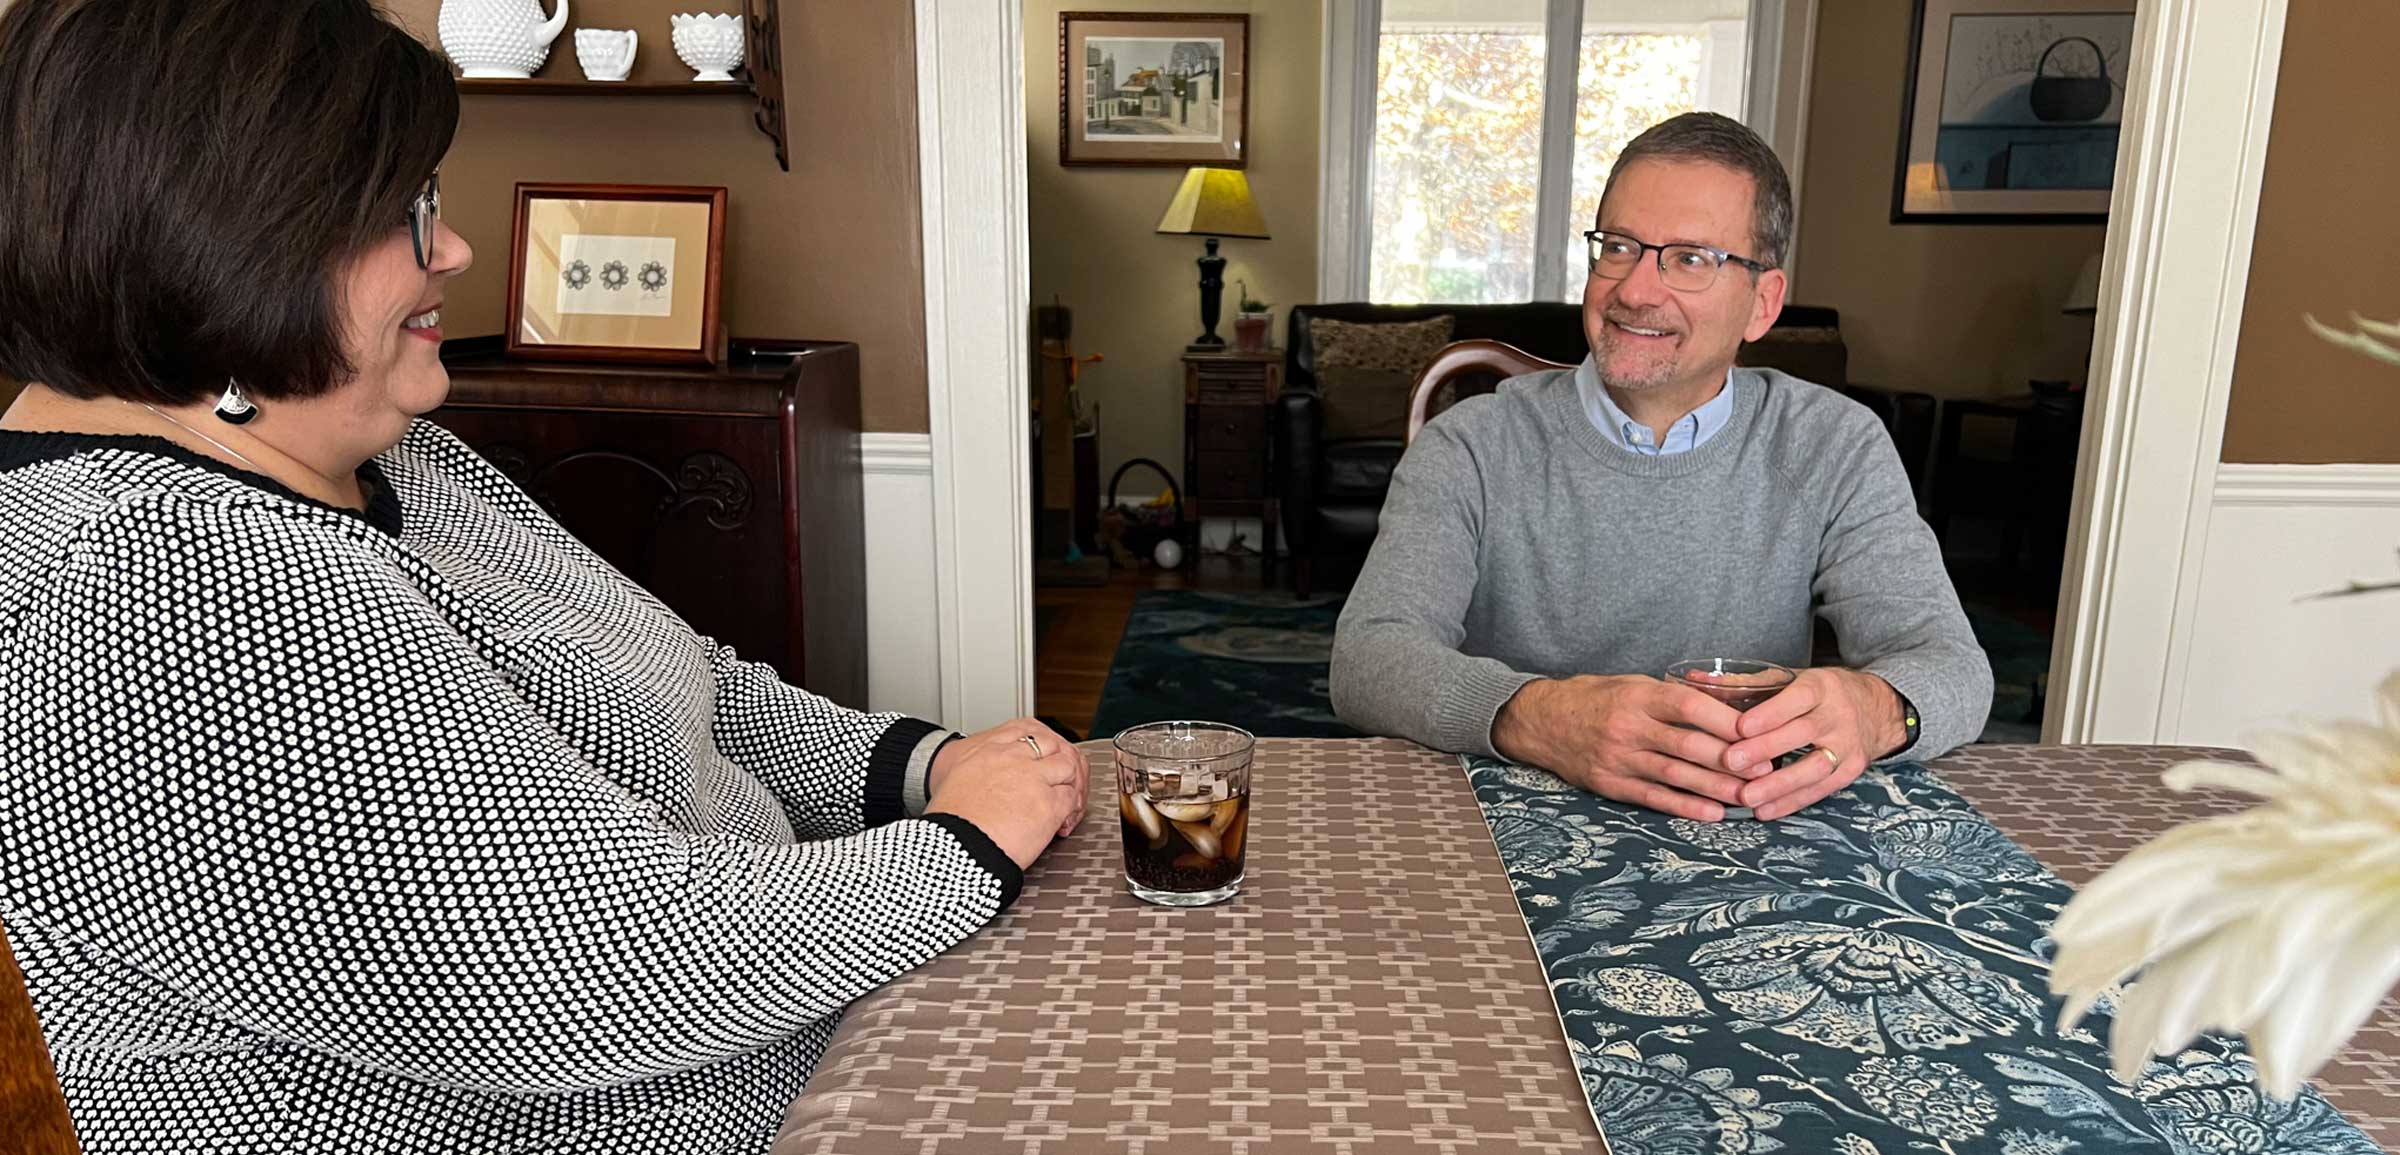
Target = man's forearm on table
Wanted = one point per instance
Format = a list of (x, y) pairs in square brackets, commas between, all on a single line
[(1386, 681)]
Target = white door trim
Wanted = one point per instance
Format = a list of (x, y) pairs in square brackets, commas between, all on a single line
[(971, 160), (2377, 486), (2189, 161)]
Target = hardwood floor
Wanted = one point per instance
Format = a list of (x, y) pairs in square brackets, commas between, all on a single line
[(1077, 628)]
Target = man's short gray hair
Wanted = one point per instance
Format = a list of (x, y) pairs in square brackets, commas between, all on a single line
[(1723, 140)]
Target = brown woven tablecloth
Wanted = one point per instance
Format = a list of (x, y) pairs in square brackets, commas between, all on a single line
[(1372, 990)]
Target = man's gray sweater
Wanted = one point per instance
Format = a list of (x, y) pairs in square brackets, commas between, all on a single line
[(1517, 543)]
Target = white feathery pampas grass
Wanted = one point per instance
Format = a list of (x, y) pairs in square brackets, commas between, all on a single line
[(2282, 922)]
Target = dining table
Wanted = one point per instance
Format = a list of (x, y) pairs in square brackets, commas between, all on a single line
[(1379, 986)]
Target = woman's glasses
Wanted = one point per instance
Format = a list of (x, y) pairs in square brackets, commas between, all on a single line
[(423, 211)]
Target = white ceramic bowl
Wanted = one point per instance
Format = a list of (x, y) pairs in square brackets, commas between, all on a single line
[(710, 44), (606, 53)]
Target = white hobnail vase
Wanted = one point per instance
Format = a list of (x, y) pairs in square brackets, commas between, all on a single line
[(711, 45), (499, 39), (606, 53)]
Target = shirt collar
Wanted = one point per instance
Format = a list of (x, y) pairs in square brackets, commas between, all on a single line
[(1690, 431)]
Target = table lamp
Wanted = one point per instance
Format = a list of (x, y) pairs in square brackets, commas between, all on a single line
[(2084, 299), (1213, 203)]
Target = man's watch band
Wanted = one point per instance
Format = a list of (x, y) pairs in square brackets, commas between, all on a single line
[(1908, 722)]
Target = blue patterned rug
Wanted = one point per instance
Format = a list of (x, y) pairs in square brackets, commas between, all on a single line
[(1869, 977), (1258, 660), (1255, 660)]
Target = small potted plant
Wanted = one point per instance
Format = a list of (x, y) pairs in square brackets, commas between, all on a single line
[(1250, 325)]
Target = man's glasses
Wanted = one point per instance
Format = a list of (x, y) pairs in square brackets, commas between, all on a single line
[(422, 213), (1684, 268)]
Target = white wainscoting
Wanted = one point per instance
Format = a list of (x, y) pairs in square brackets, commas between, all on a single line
[(904, 644), (2261, 656)]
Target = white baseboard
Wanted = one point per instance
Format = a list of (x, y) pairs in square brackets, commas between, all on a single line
[(904, 645), (2262, 653)]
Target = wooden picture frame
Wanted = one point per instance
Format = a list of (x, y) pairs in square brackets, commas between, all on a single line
[(1170, 90), (2011, 111), (625, 273)]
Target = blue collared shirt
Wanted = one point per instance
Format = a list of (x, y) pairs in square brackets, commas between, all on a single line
[(1689, 432)]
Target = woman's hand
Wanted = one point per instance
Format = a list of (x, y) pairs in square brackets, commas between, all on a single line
[(996, 779)]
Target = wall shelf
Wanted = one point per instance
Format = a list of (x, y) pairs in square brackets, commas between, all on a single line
[(742, 88), (761, 82)]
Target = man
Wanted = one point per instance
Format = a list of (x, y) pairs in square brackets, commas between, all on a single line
[(1547, 551)]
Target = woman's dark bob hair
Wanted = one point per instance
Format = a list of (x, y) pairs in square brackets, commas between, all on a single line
[(182, 181)]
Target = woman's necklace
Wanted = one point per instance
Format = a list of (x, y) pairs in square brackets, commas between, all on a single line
[(169, 418)]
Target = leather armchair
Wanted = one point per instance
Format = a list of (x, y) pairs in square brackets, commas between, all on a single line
[(1331, 492)]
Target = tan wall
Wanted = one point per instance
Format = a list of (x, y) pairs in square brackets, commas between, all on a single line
[(1954, 310), (1136, 294), (830, 250), (2326, 245)]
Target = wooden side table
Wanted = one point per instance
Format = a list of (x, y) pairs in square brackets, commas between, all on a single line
[(1226, 401), (2031, 489)]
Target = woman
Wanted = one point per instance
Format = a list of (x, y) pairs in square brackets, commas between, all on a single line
[(350, 803)]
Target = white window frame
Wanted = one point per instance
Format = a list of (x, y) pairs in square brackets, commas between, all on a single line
[(1778, 58)]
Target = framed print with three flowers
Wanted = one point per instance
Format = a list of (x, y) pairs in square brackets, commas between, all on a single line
[(616, 273)]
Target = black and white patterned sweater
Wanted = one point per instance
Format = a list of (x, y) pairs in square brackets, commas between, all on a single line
[(423, 830)]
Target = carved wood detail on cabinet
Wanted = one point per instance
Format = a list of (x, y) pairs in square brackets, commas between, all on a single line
[(703, 479)]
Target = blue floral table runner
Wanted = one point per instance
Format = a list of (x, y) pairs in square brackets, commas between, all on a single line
[(1867, 977)]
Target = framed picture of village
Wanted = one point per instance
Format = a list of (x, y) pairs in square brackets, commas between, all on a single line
[(1153, 88)]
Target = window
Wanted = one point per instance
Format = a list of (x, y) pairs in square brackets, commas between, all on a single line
[(1489, 150), (1458, 153)]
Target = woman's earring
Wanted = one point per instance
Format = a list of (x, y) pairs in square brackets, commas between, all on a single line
[(233, 408)]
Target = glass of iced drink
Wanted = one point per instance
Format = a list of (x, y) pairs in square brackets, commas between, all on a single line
[(1737, 682), (1183, 801), (1740, 683)]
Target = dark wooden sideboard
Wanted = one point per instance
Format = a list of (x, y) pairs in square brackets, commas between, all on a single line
[(733, 494)]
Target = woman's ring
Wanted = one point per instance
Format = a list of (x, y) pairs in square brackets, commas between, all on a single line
[(1032, 745)]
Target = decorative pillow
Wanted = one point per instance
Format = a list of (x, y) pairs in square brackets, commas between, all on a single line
[(1366, 370), (1362, 402), (1402, 346)]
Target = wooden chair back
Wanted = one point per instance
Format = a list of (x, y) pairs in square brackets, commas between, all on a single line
[(33, 1112), (1479, 358)]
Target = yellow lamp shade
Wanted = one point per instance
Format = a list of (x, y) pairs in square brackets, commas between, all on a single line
[(1214, 202)]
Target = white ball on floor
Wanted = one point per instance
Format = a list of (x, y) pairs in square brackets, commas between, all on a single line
[(1169, 553)]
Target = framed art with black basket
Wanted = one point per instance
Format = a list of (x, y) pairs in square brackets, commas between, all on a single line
[(2011, 112)]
